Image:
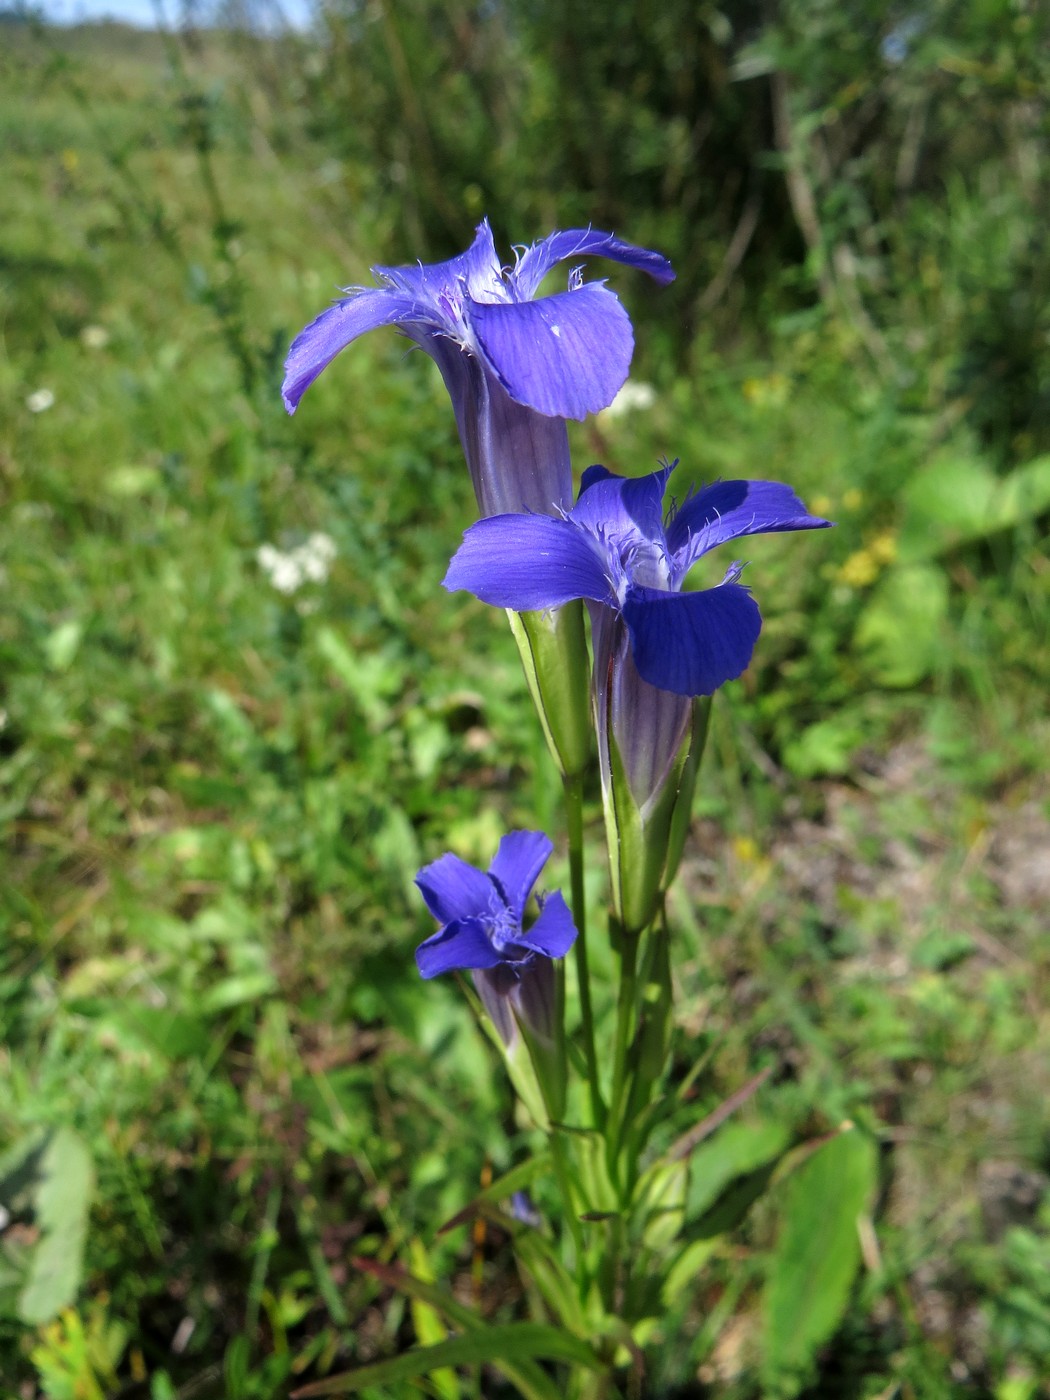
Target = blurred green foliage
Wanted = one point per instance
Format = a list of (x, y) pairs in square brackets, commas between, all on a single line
[(214, 795), (889, 158)]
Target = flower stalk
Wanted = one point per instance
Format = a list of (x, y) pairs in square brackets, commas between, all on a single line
[(573, 794)]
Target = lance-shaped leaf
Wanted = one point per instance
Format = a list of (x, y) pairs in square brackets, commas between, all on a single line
[(512, 1343), (524, 1174), (526, 1374)]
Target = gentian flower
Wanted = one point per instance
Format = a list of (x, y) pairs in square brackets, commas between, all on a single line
[(614, 549), (481, 915), (515, 367), (655, 647)]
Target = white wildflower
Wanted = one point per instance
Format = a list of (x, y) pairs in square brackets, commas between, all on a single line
[(94, 337), (316, 556), (631, 396), (309, 562), (40, 401)]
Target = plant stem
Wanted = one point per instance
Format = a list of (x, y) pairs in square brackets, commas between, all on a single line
[(561, 1171), (625, 1017), (573, 787)]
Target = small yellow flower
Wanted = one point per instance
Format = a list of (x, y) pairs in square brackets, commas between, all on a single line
[(745, 849), (752, 388), (853, 499), (771, 392), (884, 547), (70, 160), (860, 570), (822, 505)]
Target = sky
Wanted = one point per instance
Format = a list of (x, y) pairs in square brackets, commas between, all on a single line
[(142, 12)]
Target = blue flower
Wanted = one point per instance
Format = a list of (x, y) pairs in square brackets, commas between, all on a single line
[(515, 367), (615, 550), (481, 915), (655, 647)]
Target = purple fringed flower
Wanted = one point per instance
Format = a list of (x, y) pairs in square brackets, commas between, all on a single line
[(514, 367), (612, 548), (653, 644), (481, 914)]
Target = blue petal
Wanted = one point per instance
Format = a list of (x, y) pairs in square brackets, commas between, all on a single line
[(322, 339), (648, 727), (517, 865), (593, 474), (527, 562), (461, 944), (565, 355), (729, 509), (535, 999), (618, 505), (495, 991), (691, 643), (518, 459), (455, 890), (538, 260), (477, 271), (554, 932)]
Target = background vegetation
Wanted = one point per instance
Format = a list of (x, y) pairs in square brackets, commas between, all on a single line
[(221, 1079)]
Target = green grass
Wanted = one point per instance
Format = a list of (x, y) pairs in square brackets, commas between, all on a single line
[(214, 797)]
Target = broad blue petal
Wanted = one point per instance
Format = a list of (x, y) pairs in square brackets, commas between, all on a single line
[(477, 272), (460, 945), (618, 505), (565, 355), (729, 509), (554, 932), (322, 339), (517, 865), (528, 562), (455, 890), (538, 260), (691, 643)]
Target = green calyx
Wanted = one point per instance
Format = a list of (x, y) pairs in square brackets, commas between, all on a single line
[(553, 650), (644, 852)]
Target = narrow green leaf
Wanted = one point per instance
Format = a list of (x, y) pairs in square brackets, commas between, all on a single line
[(495, 1346), (414, 1287), (813, 1265), (533, 1383), (425, 1319), (514, 1180), (685, 1268), (555, 1285), (690, 1140)]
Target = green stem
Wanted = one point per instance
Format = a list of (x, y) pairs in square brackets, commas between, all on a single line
[(573, 787), (561, 1171), (593, 1385), (625, 1017)]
